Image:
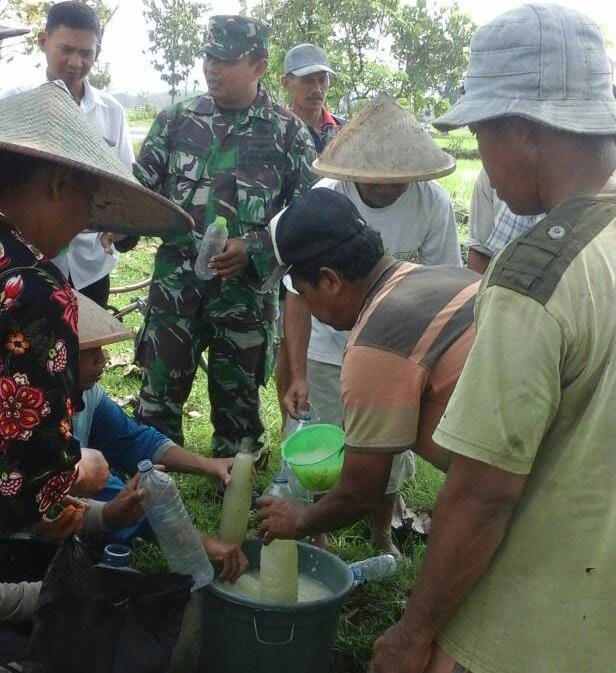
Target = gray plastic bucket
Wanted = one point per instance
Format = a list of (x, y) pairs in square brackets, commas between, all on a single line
[(242, 635)]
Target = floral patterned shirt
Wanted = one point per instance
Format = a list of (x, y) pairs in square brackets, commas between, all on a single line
[(39, 353)]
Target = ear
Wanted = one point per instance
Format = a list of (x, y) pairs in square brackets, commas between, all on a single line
[(260, 67), (330, 280), (284, 80), (42, 40)]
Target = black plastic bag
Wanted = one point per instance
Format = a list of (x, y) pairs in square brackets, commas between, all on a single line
[(91, 619)]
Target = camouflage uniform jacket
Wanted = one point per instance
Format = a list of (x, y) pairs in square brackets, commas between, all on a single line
[(245, 165)]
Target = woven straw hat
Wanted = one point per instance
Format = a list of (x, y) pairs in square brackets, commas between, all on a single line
[(7, 31), (96, 326), (45, 122), (383, 144)]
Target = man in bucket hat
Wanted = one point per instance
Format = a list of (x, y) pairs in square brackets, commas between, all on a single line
[(57, 177), (518, 574), (229, 153), (384, 162)]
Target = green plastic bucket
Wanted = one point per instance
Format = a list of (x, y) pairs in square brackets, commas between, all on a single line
[(315, 455), (242, 635)]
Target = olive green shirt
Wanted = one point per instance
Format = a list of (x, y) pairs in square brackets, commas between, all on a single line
[(536, 398)]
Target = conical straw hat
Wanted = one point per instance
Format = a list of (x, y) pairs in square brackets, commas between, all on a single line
[(45, 122), (383, 143), (96, 326)]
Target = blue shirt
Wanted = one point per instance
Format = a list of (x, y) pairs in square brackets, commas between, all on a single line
[(103, 425)]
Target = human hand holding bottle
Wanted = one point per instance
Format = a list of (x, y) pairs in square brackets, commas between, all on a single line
[(232, 261)]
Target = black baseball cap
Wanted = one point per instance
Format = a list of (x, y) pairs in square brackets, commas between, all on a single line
[(318, 221)]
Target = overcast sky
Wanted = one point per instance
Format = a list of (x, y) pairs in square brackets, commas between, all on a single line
[(126, 41)]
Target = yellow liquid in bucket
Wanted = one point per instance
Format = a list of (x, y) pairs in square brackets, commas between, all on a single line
[(249, 586)]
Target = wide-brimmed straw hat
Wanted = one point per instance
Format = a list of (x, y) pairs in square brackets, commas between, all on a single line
[(7, 31), (383, 144), (96, 326), (46, 123), (543, 62)]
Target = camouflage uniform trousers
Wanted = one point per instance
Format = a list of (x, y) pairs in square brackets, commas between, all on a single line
[(176, 331)]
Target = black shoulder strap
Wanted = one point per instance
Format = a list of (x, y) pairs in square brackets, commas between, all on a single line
[(534, 263)]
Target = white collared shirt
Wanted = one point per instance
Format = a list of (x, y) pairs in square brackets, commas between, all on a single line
[(85, 260)]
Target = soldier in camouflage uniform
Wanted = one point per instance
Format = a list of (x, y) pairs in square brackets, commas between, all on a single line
[(230, 152)]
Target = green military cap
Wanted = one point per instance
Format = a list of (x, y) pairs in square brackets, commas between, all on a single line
[(230, 37)]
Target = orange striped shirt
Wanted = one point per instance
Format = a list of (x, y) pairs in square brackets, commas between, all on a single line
[(405, 353)]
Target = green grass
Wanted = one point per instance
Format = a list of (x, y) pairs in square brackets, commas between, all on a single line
[(461, 138), (459, 184), (372, 608)]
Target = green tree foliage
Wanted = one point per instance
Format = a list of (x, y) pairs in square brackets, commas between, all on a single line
[(415, 53), (176, 38), (431, 45)]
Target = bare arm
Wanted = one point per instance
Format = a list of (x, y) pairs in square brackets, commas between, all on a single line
[(297, 328), (360, 489), (470, 520), (177, 459), (477, 261), (425, 446)]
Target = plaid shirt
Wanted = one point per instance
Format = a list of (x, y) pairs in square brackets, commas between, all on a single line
[(507, 226)]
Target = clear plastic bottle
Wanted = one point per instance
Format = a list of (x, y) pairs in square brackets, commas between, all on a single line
[(279, 572), (374, 568), (280, 488), (238, 497), (174, 530), (212, 244), (279, 576), (306, 417)]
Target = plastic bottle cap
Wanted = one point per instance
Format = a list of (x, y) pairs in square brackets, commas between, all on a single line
[(221, 222), (117, 555), (144, 465), (280, 479), (246, 445)]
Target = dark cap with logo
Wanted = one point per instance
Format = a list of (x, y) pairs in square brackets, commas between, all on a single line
[(229, 37), (318, 221)]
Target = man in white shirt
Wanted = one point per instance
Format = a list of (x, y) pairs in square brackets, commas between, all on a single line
[(71, 44), (385, 161)]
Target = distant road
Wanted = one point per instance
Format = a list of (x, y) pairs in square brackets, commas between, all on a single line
[(139, 131)]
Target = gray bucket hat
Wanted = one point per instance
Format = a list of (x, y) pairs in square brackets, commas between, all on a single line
[(543, 62), (46, 123), (305, 59)]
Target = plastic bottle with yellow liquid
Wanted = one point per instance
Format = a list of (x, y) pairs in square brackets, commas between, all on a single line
[(279, 560), (238, 496)]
